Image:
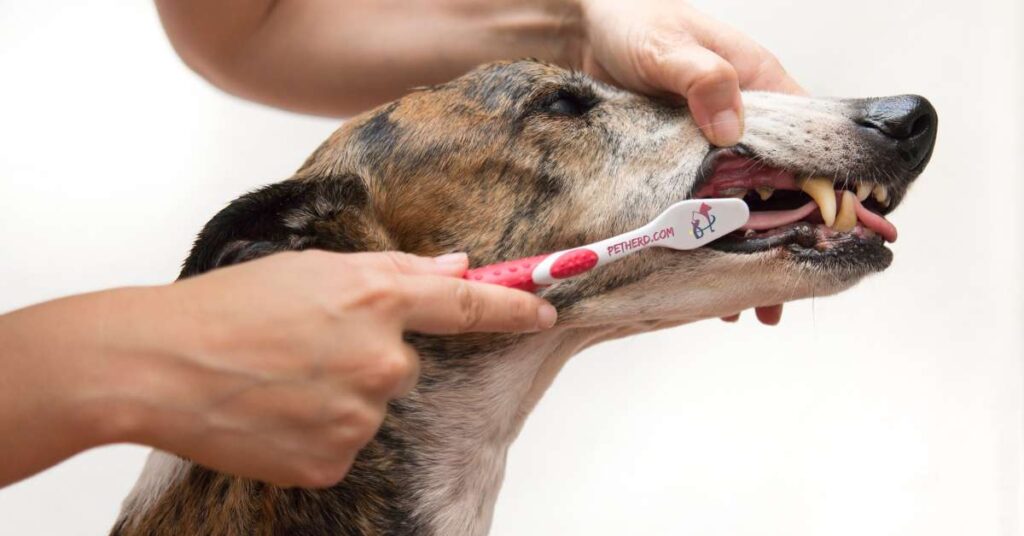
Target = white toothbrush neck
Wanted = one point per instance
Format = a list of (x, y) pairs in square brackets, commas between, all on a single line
[(607, 250)]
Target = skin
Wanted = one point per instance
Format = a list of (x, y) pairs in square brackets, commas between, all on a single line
[(249, 368), (193, 367)]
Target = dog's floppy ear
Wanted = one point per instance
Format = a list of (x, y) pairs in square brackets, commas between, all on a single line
[(323, 213)]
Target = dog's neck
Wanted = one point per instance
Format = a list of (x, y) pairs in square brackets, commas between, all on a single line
[(435, 467), (476, 423)]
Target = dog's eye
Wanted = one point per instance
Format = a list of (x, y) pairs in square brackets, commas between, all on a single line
[(569, 104)]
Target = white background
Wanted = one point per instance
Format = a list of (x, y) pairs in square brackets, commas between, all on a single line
[(894, 409)]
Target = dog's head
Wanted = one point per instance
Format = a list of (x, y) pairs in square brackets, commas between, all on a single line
[(520, 158)]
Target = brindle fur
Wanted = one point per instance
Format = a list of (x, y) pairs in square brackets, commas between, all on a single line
[(483, 164)]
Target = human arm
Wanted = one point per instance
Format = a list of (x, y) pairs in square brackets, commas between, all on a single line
[(278, 369), (338, 57)]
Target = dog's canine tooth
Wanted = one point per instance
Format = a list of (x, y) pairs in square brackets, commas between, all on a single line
[(846, 219), (864, 190), (881, 194), (823, 193), (765, 192)]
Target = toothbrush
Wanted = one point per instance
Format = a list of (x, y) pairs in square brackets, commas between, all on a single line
[(685, 225)]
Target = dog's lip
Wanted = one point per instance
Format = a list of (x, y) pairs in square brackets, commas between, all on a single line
[(711, 160), (804, 236)]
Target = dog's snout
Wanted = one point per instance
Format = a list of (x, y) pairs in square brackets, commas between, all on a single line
[(909, 120)]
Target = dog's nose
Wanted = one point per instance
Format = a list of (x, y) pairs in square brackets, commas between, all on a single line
[(910, 120)]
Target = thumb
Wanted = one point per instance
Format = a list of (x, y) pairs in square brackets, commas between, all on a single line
[(711, 87)]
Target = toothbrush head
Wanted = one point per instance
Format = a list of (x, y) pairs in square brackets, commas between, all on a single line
[(697, 222)]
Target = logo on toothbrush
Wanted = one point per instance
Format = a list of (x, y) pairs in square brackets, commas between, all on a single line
[(702, 221), (641, 241)]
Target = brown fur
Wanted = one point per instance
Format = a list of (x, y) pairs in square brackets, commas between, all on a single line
[(488, 165)]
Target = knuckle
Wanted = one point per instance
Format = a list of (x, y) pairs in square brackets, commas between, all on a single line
[(390, 370), (470, 307), (361, 434), (341, 409), (717, 73), (342, 437), (379, 290), (359, 428), (398, 260), (323, 475)]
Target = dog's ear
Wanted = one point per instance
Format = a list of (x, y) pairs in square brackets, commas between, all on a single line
[(323, 213)]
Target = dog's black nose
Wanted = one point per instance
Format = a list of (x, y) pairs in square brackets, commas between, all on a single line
[(910, 120)]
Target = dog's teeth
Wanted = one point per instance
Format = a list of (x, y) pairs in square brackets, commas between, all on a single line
[(846, 219), (864, 190), (824, 195), (738, 193), (765, 192), (881, 194)]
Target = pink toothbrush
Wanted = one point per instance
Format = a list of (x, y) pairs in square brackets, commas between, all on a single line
[(685, 225)]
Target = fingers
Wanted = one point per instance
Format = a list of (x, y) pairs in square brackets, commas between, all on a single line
[(449, 304), (710, 84), (769, 315), (443, 305)]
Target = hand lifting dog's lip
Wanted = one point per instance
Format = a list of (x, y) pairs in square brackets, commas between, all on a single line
[(517, 159)]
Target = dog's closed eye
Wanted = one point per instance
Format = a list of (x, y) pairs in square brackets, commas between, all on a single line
[(568, 103)]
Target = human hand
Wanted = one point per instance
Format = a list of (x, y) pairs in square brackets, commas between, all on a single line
[(280, 369), (668, 47)]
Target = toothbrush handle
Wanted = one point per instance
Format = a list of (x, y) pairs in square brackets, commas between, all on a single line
[(513, 274), (532, 272)]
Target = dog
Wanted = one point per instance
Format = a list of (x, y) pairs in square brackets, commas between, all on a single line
[(512, 160)]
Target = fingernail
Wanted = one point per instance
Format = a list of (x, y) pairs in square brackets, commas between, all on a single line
[(451, 259), (547, 315), (726, 127)]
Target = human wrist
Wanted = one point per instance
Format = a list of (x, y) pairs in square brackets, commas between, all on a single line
[(57, 359), (137, 335)]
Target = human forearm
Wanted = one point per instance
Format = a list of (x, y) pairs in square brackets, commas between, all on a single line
[(56, 392), (278, 369), (339, 57)]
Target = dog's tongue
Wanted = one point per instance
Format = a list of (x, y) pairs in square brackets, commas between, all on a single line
[(770, 219), (876, 222)]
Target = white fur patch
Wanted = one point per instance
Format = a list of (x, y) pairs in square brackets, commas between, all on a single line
[(161, 471), (479, 422)]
